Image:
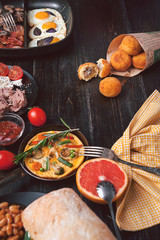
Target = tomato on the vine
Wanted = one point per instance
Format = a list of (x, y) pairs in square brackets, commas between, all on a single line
[(6, 160), (37, 116)]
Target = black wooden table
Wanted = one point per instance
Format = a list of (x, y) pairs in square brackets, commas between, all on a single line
[(79, 103)]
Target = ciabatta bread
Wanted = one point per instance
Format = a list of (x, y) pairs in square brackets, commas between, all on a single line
[(62, 215)]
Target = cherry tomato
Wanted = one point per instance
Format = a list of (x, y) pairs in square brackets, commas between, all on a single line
[(37, 116), (15, 73), (4, 69), (6, 160)]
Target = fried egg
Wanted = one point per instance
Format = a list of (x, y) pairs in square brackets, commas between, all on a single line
[(47, 29), (46, 40), (37, 16)]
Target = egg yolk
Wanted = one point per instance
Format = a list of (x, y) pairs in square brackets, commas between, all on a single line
[(49, 25), (42, 15), (55, 39)]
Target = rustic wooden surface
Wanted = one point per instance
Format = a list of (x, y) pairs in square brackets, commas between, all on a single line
[(80, 104)]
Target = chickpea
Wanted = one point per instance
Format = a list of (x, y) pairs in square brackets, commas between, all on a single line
[(3, 204), (11, 226), (2, 234), (9, 218), (14, 209), (17, 218), (3, 222), (2, 212), (9, 229)]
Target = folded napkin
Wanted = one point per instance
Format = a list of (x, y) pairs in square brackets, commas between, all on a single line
[(139, 207)]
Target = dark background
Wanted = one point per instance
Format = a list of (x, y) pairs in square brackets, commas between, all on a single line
[(61, 94)]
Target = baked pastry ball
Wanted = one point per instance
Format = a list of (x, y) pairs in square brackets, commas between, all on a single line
[(120, 61), (87, 71), (130, 45), (104, 68), (139, 61), (110, 87)]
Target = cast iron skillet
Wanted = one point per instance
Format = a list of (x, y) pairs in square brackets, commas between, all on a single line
[(60, 5), (43, 129)]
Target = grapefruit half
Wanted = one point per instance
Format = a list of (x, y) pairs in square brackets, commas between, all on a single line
[(93, 171)]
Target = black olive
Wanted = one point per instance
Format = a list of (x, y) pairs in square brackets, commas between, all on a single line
[(37, 31), (44, 41), (51, 13), (51, 30)]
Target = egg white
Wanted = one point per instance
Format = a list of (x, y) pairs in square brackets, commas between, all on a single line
[(60, 29), (33, 43), (32, 20)]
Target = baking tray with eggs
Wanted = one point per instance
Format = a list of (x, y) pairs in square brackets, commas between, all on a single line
[(41, 27)]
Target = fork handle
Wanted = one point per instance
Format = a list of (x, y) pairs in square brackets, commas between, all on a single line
[(153, 170)]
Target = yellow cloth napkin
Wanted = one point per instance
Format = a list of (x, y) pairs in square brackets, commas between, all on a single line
[(139, 207)]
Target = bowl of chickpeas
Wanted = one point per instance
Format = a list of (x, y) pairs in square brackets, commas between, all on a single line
[(11, 226)]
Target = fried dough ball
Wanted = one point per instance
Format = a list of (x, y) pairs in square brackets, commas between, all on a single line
[(130, 45), (104, 68), (139, 61), (120, 61), (110, 87), (87, 71)]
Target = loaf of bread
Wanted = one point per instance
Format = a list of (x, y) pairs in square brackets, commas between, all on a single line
[(62, 215)]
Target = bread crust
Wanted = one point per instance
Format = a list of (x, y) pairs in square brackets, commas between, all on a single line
[(139, 61), (130, 45), (87, 71), (110, 87), (61, 214), (104, 68), (120, 61)]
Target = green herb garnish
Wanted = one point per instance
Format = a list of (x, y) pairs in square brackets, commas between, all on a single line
[(27, 237), (65, 124), (49, 137), (65, 162), (64, 142), (47, 163)]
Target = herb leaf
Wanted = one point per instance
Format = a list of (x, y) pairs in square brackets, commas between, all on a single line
[(65, 124), (64, 142), (65, 162), (47, 163), (27, 237)]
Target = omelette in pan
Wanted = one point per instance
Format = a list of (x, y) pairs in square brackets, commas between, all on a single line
[(56, 158)]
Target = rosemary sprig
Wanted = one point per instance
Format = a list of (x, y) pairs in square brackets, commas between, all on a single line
[(65, 124), (42, 143)]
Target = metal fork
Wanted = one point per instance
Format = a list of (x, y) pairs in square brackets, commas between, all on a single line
[(97, 152), (9, 22)]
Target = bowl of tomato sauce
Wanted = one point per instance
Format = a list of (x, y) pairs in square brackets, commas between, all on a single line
[(11, 128)]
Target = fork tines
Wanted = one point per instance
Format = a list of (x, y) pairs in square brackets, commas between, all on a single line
[(91, 151), (9, 21)]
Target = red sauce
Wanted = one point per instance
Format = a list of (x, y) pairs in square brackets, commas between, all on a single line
[(9, 131)]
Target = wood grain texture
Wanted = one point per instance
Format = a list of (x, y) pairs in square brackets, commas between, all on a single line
[(61, 94)]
